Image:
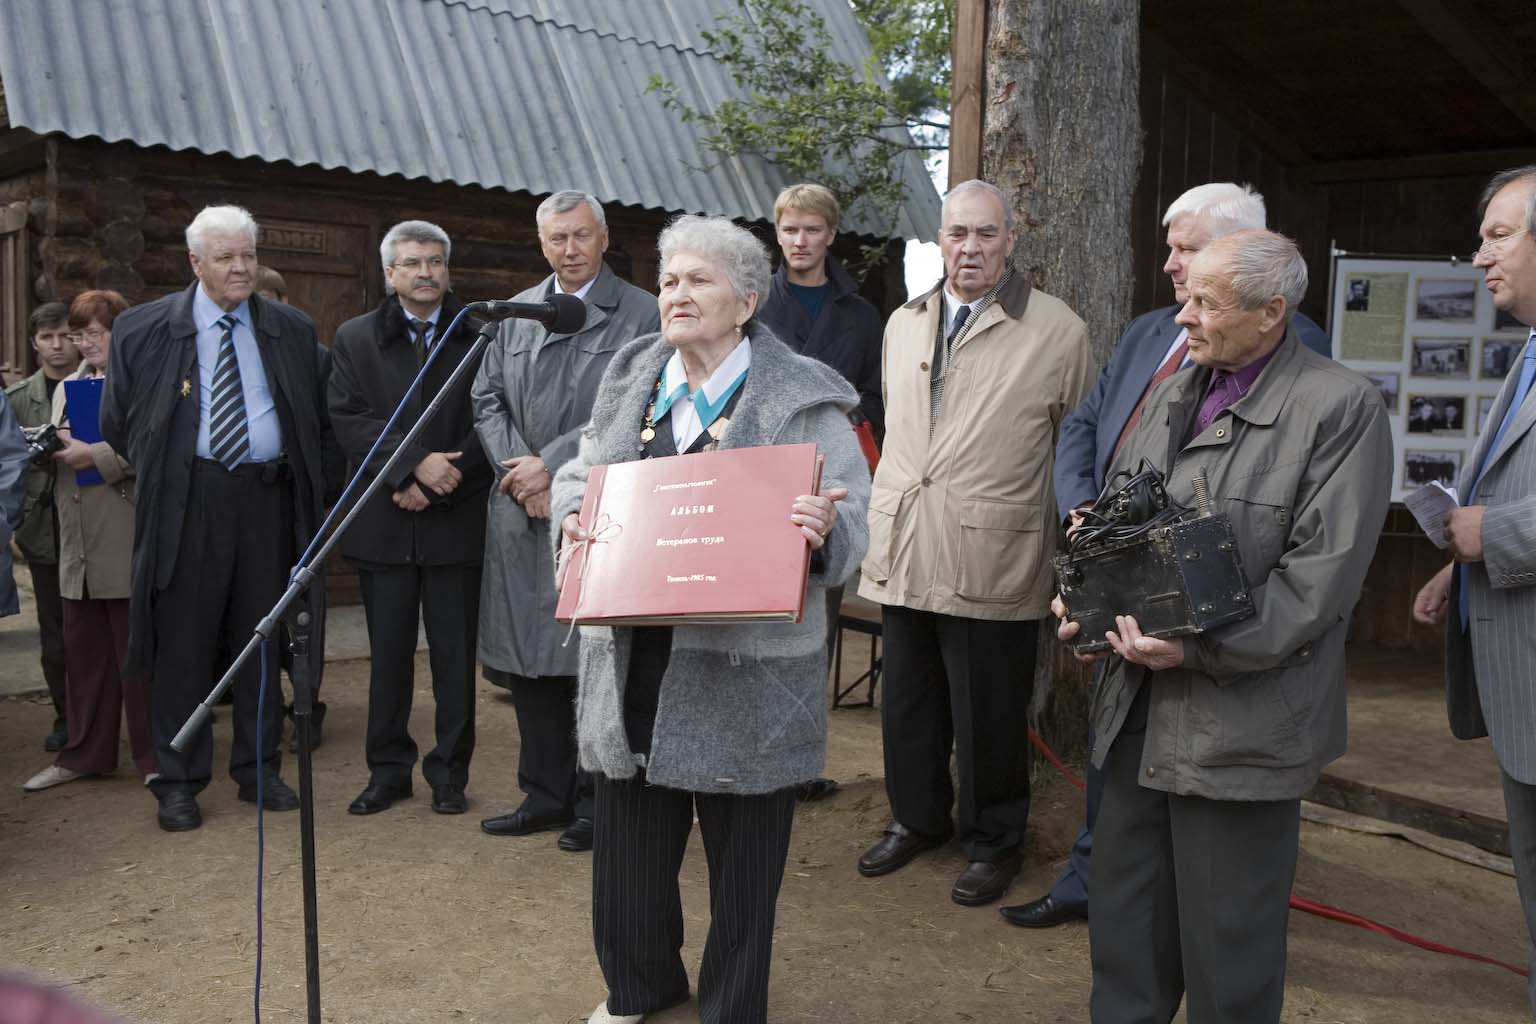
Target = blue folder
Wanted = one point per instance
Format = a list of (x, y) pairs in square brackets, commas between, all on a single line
[(82, 404)]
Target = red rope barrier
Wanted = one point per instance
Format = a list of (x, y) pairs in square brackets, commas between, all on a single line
[(1050, 755), (1322, 910), (1335, 914)]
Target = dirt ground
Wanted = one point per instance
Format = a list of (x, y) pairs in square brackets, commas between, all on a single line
[(424, 918)]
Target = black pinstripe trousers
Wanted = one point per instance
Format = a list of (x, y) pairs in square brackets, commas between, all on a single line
[(640, 836)]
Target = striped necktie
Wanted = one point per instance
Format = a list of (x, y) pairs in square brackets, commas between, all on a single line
[(419, 329), (228, 433)]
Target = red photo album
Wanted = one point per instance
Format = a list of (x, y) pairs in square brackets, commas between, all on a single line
[(692, 539)]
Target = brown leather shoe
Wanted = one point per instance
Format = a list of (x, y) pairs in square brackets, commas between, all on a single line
[(984, 881), (896, 849)]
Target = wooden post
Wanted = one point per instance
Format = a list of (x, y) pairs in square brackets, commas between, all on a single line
[(967, 58), (1062, 138)]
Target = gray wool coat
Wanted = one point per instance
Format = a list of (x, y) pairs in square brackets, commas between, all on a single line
[(743, 708), (532, 394)]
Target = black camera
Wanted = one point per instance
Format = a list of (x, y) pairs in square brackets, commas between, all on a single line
[(42, 442)]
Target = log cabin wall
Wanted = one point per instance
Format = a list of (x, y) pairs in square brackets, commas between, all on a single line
[(1193, 137), (105, 215)]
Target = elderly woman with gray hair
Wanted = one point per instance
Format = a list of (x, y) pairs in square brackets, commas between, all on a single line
[(717, 721)]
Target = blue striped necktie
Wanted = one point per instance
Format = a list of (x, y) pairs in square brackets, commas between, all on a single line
[(228, 433)]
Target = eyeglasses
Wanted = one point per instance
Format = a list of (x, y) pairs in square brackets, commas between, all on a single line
[(1496, 247), (93, 333), (411, 264)]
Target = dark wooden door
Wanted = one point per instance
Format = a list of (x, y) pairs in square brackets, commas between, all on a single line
[(325, 266)]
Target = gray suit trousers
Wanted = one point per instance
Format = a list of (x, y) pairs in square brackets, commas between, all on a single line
[(1189, 895), (1520, 805)]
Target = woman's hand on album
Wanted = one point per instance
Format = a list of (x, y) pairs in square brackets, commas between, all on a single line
[(1138, 649), (571, 531), (1066, 629), (816, 514)]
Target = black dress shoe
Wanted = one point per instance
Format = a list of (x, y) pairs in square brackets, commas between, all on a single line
[(815, 789), (521, 823), (577, 836), (179, 813), (276, 795), (449, 799), (895, 849), (55, 741), (1044, 912), (984, 880), (377, 796)]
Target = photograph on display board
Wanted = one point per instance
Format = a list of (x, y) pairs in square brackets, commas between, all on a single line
[(1505, 321), (1447, 358), (1386, 382), (1446, 299), (1420, 468), (1437, 415), (1498, 355), (1358, 299), (1375, 312), (1484, 410)]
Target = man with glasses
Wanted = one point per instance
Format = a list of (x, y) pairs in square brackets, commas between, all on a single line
[(532, 397), (37, 536), (418, 542), (1152, 348), (1488, 593)]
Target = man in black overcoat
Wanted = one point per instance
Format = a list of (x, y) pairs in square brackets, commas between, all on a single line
[(217, 398), (419, 541)]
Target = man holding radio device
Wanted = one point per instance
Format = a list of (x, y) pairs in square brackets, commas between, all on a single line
[(1208, 742)]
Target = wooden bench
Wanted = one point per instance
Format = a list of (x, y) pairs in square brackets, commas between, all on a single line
[(860, 616)]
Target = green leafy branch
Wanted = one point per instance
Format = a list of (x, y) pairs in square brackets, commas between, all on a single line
[(822, 119)]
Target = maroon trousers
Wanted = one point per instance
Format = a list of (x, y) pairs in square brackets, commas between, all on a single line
[(97, 693)]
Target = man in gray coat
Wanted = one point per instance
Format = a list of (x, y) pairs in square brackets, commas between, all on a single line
[(1489, 596), (1209, 742), (532, 395)]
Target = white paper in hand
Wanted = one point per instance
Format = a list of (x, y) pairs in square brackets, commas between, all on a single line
[(1429, 505)]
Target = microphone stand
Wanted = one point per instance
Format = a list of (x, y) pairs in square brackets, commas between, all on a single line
[(299, 622)]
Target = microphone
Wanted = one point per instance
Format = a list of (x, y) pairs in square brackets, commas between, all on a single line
[(562, 314)]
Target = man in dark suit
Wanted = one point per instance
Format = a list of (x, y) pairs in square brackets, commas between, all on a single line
[(217, 398), (1152, 347), (419, 541)]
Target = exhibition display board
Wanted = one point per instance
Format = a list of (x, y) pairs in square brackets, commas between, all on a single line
[(1426, 334)]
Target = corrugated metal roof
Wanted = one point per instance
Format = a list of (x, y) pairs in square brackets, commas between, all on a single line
[(524, 95)]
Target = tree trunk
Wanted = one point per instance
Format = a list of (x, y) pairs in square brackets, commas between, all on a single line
[(1061, 135)]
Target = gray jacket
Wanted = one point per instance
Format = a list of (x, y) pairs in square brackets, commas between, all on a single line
[(532, 395), (1303, 465), (1489, 667), (743, 709)]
